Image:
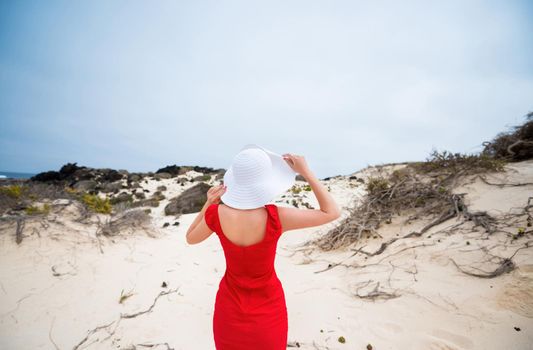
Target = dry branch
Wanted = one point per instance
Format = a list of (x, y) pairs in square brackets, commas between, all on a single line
[(21, 222), (126, 220), (423, 188), (122, 316), (506, 265)]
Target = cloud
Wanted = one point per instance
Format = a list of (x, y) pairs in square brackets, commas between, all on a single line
[(348, 83)]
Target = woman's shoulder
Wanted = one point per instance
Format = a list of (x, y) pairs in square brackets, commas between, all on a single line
[(274, 215)]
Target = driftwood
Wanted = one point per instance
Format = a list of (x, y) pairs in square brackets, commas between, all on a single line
[(20, 227), (127, 220), (425, 189), (121, 317), (398, 195)]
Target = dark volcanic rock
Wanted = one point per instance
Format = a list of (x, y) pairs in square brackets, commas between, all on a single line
[(171, 169), (300, 178), (139, 195), (85, 185), (122, 197), (84, 174), (180, 170), (201, 178), (158, 195), (190, 201), (110, 175), (182, 180), (162, 175), (134, 178), (331, 177), (69, 169), (134, 185), (151, 202), (47, 176), (65, 173), (112, 187)]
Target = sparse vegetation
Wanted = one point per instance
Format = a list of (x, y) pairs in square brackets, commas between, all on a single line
[(420, 189), (35, 210), (447, 162), (295, 189), (124, 296), (376, 185), (70, 190), (132, 220), (13, 191), (97, 204), (514, 145)]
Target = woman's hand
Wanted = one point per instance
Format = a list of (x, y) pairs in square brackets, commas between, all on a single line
[(214, 193), (297, 163)]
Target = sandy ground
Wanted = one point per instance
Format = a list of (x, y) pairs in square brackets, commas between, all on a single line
[(60, 291)]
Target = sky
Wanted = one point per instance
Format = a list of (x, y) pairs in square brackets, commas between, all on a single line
[(139, 85)]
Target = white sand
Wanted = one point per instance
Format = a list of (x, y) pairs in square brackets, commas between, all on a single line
[(437, 306)]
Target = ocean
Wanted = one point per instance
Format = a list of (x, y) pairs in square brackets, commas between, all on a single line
[(15, 175)]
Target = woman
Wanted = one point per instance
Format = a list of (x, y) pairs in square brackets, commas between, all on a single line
[(250, 309)]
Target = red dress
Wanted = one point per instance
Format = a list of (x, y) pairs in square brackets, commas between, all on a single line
[(250, 309)]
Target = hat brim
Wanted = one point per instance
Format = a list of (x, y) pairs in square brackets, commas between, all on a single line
[(281, 178)]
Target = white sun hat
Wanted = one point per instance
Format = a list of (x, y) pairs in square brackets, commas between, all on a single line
[(255, 177)]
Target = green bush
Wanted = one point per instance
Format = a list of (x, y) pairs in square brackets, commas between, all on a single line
[(514, 145), (376, 185), (454, 162), (399, 174), (295, 189), (14, 191), (34, 210), (97, 204)]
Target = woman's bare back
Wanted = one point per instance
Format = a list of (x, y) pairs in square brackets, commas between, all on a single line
[(243, 227), (247, 227)]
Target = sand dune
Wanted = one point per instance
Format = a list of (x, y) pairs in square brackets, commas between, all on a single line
[(61, 287)]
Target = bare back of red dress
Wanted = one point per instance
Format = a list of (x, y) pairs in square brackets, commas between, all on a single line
[(250, 309)]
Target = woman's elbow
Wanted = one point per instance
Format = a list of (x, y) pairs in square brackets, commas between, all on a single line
[(335, 215)]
